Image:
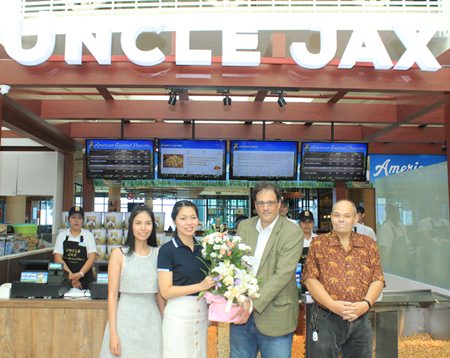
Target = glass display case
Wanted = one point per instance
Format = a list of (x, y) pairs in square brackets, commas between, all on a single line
[(11, 244)]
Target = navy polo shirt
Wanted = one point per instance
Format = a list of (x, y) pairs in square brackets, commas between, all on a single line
[(186, 265)]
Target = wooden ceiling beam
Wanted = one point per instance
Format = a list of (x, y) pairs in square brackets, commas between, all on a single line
[(404, 148), (413, 135), (337, 97), (261, 95), (407, 114), (22, 121), (245, 111), (266, 76), (105, 93), (275, 131)]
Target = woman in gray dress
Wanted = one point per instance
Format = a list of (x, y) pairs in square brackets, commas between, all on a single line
[(134, 326)]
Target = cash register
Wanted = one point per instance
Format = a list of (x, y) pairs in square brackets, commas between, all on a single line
[(99, 288), (40, 279)]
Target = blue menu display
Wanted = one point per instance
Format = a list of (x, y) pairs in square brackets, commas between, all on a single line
[(119, 159), (273, 160), (191, 159), (331, 161)]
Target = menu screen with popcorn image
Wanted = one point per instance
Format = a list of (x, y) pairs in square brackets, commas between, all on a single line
[(191, 159)]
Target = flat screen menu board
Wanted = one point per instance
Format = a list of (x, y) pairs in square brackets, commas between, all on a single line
[(333, 161), (257, 160), (192, 159), (119, 159)]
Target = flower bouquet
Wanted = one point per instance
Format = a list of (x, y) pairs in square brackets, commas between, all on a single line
[(230, 267)]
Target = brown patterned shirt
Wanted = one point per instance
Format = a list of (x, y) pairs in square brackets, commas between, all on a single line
[(345, 275)]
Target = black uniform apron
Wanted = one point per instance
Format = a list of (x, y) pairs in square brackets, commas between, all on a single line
[(75, 256)]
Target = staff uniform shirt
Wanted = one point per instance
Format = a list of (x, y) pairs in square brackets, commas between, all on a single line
[(306, 242), (345, 275), (365, 230), (186, 265), (88, 241)]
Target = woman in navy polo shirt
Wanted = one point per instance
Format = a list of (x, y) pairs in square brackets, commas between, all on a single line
[(181, 278)]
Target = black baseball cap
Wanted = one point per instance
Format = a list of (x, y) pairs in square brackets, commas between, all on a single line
[(76, 210), (306, 215)]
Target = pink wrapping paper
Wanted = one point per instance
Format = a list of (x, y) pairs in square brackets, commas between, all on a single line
[(216, 310)]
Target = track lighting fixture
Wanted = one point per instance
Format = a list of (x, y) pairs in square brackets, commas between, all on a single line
[(227, 101), (172, 98), (281, 101)]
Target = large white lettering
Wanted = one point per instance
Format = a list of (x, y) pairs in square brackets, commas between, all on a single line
[(387, 169), (365, 45), (137, 56), (99, 45), (233, 42), (186, 56), (328, 47), (45, 43), (239, 44), (416, 49)]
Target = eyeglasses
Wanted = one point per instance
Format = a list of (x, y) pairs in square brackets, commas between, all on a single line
[(268, 203)]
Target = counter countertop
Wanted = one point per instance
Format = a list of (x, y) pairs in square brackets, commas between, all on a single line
[(53, 303)]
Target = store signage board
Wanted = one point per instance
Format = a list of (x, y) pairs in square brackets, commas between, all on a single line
[(333, 161), (119, 159), (239, 42), (257, 160), (383, 165), (192, 159)]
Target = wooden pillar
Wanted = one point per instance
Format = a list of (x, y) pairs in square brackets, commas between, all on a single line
[(370, 208), (447, 136), (1, 118), (68, 200), (340, 192), (88, 192), (149, 201), (114, 197)]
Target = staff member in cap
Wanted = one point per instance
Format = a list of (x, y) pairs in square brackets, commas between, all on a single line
[(75, 249), (307, 226)]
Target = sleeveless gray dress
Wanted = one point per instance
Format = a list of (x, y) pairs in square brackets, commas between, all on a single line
[(139, 321)]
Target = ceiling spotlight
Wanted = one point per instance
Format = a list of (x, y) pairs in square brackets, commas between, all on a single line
[(227, 101), (281, 101), (172, 98)]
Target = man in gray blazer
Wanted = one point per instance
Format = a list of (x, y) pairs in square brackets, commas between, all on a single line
[(266, 324)]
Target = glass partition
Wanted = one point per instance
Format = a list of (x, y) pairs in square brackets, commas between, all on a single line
[(413, 225)]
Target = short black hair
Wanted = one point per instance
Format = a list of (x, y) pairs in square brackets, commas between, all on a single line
[(360, 209), (266, 185)]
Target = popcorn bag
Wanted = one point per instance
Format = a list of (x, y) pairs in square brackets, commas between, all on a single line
[(218, 311)]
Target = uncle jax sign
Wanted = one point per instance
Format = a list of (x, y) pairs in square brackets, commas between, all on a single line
[(239, 42)]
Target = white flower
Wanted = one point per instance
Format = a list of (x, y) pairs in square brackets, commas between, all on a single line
[(228, 280)]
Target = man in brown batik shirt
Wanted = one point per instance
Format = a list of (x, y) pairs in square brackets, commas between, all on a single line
[(343, 274)]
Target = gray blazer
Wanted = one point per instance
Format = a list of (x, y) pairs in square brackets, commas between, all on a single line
[(276, 310)]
